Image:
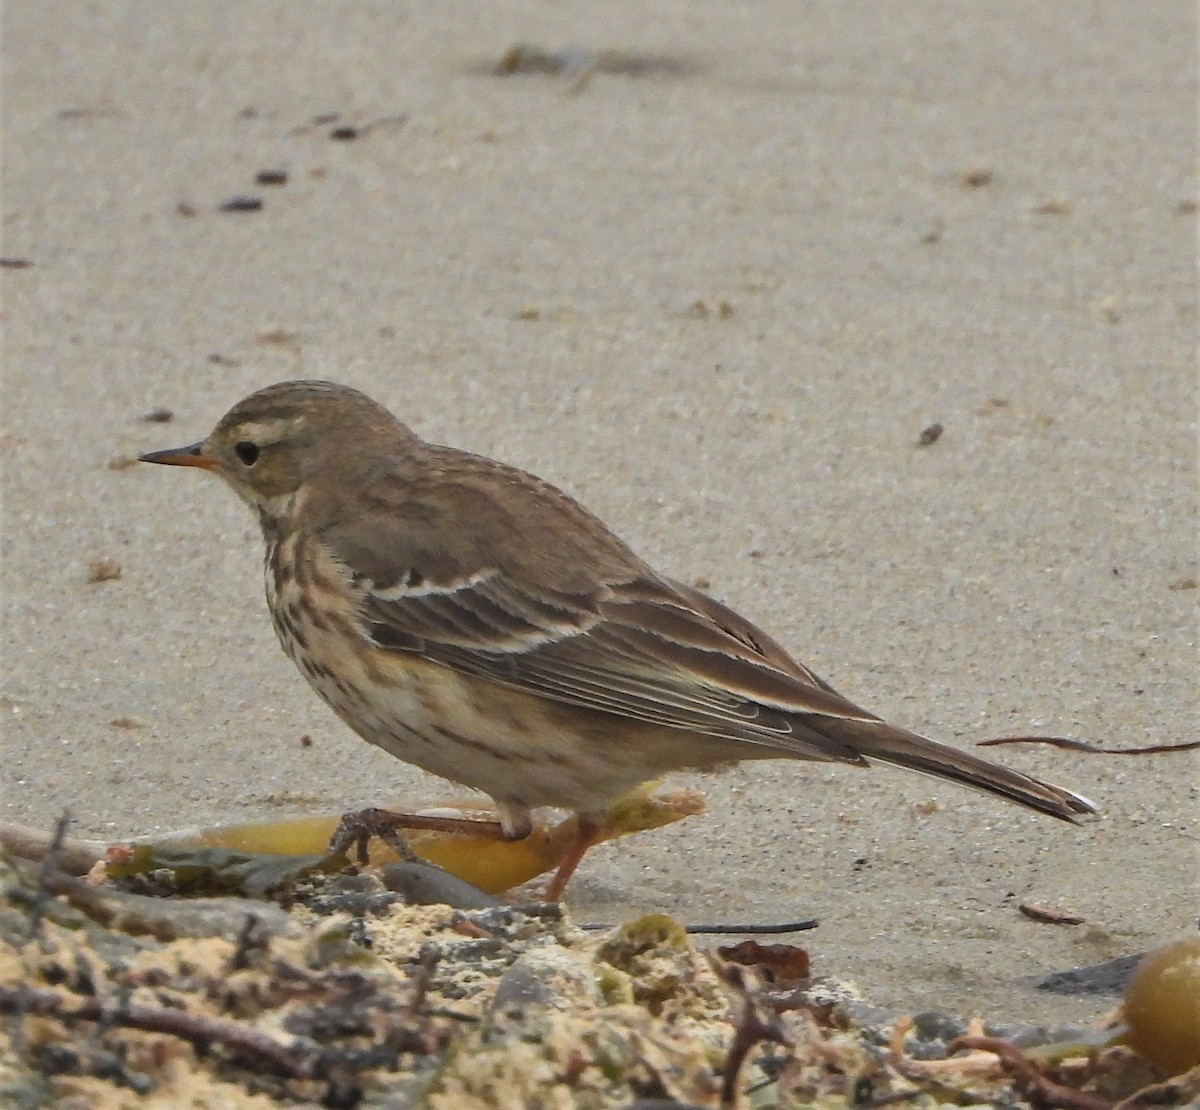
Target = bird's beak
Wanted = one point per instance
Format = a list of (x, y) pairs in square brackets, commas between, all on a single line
[(181, 456)]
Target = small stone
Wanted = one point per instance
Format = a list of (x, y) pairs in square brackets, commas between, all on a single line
[(1023, 1034), (1109, 977), (277, 337), (103, 570), (549, 976), (240, 204), (935, 232), (422, 884), (937, 1025), (1056, 206)]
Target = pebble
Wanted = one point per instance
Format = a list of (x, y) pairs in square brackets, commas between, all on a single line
[(423, 884), (548, 976)]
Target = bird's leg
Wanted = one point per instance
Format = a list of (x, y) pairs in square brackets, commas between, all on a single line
[(355, 829), (587, 832)]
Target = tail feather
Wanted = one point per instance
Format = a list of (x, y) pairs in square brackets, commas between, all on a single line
[(888, 744)]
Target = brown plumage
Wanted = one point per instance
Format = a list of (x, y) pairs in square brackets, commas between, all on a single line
[(479, 623)]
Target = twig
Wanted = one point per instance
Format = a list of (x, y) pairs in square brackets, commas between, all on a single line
[(751, 1028), (251, 938), (46, 873), (427, 961), (1027, 1079), (75, 857), (39, 903), (921, 1071), (163, 918), (751, 928), (1050, 916), (296, 1060), (1083, 746)]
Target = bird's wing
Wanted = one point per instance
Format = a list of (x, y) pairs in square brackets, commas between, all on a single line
[(625, 642)]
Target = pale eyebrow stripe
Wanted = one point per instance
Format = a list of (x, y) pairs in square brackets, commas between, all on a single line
[(270, 431)]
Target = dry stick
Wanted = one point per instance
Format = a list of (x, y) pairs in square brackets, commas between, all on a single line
[(924, 1073), (201, 1031), (74, 856), (135, 914), (749, 929), (250, 939), (426, 963), (38, 906), (1028, 1080), (750, 1030), (1083, 746), (46, 874), (1050, 916)]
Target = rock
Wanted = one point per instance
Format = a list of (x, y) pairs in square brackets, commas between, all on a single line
[(549, 976)]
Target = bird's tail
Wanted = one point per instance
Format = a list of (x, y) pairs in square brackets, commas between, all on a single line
[(888, 744)]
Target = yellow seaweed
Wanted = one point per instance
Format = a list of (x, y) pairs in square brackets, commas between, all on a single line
[(492, 865)]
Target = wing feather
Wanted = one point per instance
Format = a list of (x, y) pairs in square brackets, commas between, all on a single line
[(558, 607), (661, 661)]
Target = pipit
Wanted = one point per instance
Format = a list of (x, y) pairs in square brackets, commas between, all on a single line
[(477, 622)]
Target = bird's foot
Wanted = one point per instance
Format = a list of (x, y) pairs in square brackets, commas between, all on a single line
[(356, 829)]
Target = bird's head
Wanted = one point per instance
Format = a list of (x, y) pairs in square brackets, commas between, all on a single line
[(272, 443)]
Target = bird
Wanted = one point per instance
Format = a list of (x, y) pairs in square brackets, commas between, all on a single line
[(476, 621)]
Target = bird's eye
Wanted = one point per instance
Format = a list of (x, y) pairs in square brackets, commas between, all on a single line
[(246, 451)]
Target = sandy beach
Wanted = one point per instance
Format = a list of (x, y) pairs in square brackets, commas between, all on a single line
[(714, 278)]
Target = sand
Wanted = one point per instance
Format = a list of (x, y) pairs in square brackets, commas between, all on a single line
[(717, 293)]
